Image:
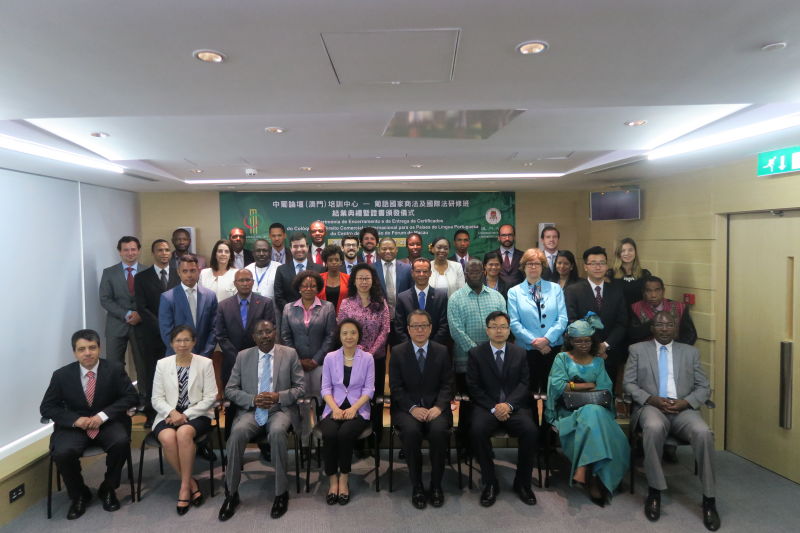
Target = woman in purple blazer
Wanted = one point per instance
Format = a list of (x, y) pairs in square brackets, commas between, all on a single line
[(348, 383)]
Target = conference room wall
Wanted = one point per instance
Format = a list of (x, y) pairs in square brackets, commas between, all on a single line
[(161, 213), (683, 239), (47, 221)]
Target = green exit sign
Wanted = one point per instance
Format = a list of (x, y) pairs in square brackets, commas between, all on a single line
[(779, 161)]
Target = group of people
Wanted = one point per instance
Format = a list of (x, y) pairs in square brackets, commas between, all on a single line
[(269, 327)]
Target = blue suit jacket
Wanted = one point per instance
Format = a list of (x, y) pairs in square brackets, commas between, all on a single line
[(173, 310), (528, 324), (402, 277)]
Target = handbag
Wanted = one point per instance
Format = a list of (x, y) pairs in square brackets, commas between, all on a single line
[(576, 399)]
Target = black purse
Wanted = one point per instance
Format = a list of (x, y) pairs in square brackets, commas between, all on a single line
[(574, 400)]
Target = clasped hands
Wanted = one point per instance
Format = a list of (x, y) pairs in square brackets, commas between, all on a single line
[(668, 405), (176, 418), (344, 414), (502, 411), (265, 400), (88, 422), (541, 344), (425, 415)]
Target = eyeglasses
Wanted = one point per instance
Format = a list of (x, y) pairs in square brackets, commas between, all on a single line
[(364, 279), (418, 327), (533, 264), (499, 328), (506, 234), (596, 264)]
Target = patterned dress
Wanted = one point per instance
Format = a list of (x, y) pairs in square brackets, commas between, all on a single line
[(589, 435)]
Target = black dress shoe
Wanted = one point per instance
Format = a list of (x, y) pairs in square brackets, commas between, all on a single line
[(525, 493), (710, 516), (280, 505), (437, 497), (652, 505), (489, 494), (78, 506), (332, 498), (229, 506), (107, 497), (418, 498), (344, 499)]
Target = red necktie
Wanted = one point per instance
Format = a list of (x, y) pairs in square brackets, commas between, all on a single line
[(507, 261), (130, 279), (318, 258), (598, 297), (369, 259), (90, 399)]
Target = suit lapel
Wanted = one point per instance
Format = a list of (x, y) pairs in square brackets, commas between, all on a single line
[(652, 356), (192, 374), (277, 364)]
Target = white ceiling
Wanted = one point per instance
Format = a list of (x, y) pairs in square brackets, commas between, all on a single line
[(322, 70)]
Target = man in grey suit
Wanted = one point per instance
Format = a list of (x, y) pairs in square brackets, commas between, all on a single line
[(668, 387), (117, 298), (265, 384)]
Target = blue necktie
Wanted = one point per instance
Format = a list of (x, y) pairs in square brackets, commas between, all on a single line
[(421, 359), (263, 386), (663, 371), (422, 300), (498, 359), (243, 311), (300, 267)]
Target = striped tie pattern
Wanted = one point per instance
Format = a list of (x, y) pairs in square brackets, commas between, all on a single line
[(183, 388), (90, 386)]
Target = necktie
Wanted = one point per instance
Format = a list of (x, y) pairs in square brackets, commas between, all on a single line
[(507, 261), (130, 279), (422, 300), (300, 267), (264, 386), (192, 304), (318, 257), (663, 371), (369, 259), (389, 277), (238, 260), (163, 280), (90, 385), (463, 264), (243, 311), (349, 268), (498, 359), (421, 359), (598, 297), (552, 262)]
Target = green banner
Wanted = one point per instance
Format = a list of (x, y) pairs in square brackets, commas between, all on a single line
[(394, 214)]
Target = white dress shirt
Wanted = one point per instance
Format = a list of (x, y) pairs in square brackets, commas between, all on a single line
[(85, 382), (264, 278)]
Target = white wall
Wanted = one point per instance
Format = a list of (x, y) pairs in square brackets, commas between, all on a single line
[(52, 228)]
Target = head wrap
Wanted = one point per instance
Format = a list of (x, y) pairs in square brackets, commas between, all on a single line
[(586, 326)]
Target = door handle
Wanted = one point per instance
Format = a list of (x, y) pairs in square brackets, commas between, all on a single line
[(785, 401)]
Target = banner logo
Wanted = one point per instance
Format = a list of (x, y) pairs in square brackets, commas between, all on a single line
[(252, 221), (493, 215)]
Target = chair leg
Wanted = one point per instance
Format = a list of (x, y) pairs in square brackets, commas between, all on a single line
[(458, 462), (58, 479), (377, 463), (50, 489), (297, 461), (160, 461), (469, 464), (221, 446), (632, 466), (141, 466), (308, 464), (391, 458), (211, 475), (130, 475)]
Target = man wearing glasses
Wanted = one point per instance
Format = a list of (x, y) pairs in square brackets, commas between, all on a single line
[(604, 299), (420, 377), (509, 256)]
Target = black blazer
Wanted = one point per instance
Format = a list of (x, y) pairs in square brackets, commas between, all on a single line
[(435, 305), (284, 293), (232, 336), (65, 401), (427, 389), (614, 314), (248, 256), (513, 276), (484, 381), (147, 286)]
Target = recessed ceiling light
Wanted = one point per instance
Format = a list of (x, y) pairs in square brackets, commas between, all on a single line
[(416, 165), (774, 46), (99, 134), (395, 82), (634, 123), (274, 129), (306, 169), (209, 56), (528, 164), (196, 171), (532, 47)]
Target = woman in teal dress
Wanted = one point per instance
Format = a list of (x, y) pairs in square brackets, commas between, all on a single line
[(590, 436)]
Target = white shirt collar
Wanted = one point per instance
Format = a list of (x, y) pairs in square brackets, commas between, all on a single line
[(85, 370)]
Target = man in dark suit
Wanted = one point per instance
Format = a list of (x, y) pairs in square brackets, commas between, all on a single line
[(88, 402), (497, 380), (235, 318), (190, 304), (349, 245), (433, 301), (148, 285), (604, 299), (461, 245), (318, 232), (182, 242), (117, 298), (265, 384), (668, 386), (284, 292), (368, 237), (395, 277), (509, 256), (420, 379), (240, 256), (549, 238)]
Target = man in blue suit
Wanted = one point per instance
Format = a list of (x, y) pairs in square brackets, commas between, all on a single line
[(395, 276), (189, 304)]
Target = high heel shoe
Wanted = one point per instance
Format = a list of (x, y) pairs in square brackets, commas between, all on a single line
[(344, 499), (597, 492), (183, 510), (197, 501), (332, 498)]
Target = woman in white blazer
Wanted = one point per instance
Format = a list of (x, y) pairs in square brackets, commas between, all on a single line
[(184, 391), (445, 275)]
